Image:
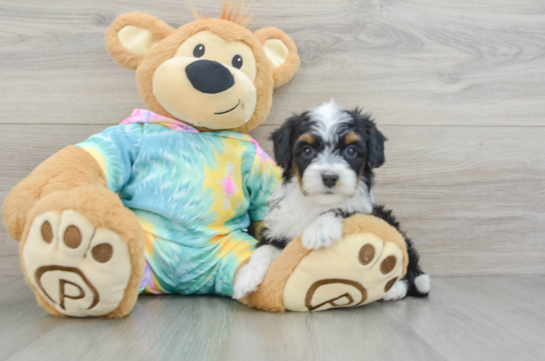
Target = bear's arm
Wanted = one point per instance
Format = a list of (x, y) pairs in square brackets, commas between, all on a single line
[(115, 150), (69, 168), (261, 182), (104, 160)]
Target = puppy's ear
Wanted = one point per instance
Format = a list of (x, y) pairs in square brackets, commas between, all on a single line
[(282, 139), (375, 147), (375, 139)]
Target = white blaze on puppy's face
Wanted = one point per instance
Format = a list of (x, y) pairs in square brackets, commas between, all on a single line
[(326, 120), (313, 185)]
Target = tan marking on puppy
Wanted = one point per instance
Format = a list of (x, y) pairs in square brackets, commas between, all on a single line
[(351, 138), (306, 138), (360, 174), (298, 175)]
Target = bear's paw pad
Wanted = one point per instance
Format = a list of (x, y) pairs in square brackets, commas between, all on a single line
[(357, 270), (79, 269)]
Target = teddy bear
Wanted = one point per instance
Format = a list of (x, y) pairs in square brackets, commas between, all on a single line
[(164, 202)]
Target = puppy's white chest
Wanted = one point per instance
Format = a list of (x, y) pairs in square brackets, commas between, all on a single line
[(295, 219), (289, 220), (291, 213)]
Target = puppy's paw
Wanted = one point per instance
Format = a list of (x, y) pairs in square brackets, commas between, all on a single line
[(323, 232), (397, 292), (250, 276), (246, 282)]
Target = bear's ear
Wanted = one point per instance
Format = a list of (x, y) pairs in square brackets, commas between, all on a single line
[(132, 35), (281, 52)]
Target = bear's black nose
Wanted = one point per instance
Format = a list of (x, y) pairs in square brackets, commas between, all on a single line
[(330, 179), (209, 76)]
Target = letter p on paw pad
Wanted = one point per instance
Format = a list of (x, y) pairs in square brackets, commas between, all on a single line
[(79, 269)]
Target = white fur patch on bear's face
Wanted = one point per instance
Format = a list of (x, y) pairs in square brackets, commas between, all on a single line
[(209, 82)]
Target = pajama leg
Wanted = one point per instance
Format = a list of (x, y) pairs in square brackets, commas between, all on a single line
[(148, 283), (234, 253)]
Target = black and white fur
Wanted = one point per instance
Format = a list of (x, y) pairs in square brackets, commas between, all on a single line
[(328, 155)]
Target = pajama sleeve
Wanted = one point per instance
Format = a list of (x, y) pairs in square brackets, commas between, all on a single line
[(115, 150), (263, 179)]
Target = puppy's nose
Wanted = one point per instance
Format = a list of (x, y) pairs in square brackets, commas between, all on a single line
[(209, 76), (330, 179)]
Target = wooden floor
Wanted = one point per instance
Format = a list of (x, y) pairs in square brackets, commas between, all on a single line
[(464, 319), (458, 88)]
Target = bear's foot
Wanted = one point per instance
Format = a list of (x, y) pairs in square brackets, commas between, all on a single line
[(80, 269), (360, 268)]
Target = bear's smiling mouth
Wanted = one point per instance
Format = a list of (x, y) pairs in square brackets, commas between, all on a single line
[(227, 111)]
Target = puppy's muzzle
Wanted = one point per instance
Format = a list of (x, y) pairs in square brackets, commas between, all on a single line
[(209, 76), (330, 179)]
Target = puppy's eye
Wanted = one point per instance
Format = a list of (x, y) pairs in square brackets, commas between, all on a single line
[(237, 61), (198, 51), (351, 152), (307, 152)]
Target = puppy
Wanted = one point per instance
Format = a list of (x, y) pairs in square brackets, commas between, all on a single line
[(328, 155)]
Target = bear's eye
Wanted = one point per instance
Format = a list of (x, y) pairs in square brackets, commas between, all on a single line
[(237, 61), (198, 51)]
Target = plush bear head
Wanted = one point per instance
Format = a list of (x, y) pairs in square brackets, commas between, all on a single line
[(211, 73)]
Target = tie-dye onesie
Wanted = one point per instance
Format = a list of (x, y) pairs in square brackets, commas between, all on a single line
[(193, 193)]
